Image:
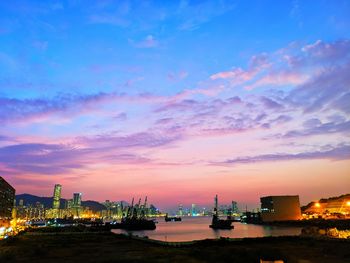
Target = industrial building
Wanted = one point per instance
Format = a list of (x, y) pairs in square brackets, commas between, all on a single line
[(7, 198), (280, 208)]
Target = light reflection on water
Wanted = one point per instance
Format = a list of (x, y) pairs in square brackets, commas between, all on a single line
[(196, 228)]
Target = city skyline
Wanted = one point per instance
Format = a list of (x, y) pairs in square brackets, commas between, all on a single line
[(177, 101)]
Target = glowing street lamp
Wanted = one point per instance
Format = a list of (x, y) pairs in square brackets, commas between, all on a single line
[(317, 204)]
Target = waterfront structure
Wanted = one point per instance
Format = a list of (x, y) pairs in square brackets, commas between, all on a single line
[(339, 205), (234, 207), (114, 210), (251, 217), (56, 196), (280, 208), (7, 198)]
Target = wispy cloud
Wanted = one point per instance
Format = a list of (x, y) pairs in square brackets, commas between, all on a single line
[(21, 109), (135, 140), (341, 152), (304, 64), (318, 129), (197, 13), (314, 107), (40, 158)]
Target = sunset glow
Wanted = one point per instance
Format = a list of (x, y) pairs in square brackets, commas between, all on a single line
[(178, 101)]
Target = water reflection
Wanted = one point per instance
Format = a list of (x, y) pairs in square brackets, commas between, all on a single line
[(196, 228)]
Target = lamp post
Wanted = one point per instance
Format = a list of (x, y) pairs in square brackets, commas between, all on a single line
[(318, 207)]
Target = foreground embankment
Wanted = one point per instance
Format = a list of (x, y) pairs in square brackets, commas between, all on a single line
[(340, 224), (85, 246)]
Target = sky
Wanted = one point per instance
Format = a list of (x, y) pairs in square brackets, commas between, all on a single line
[(176, 100)]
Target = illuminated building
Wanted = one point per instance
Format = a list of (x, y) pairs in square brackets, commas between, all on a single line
[(76, 204), (153, 211), (56, 196), (68, 204), (36, 211), (234, 207), (280, 208), (180, 213), (7, 197), (193, 210), (76, 199), (333, 205), (114, 210)]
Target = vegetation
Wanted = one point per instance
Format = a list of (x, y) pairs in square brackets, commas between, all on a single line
[(107, 247)]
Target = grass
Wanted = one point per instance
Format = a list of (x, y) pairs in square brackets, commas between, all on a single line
[(108, 247)]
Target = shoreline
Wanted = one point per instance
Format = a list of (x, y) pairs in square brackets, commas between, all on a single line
[(109, 247), (340, 224)]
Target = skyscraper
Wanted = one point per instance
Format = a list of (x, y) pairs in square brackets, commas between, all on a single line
[(193, 210), (7, 197), (234, 207), (76, 206), (76, 200), (56, 196), (180, 213)]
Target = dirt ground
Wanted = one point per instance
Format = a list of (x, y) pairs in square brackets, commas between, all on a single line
[(108, 247)]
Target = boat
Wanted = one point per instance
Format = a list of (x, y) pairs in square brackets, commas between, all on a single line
[(138, 224), (218, 223), (136, 218), (113, 225), (233, 219), (172, 218)]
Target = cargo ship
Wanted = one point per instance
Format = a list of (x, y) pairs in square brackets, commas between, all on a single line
[(218, 223), (136, 218)]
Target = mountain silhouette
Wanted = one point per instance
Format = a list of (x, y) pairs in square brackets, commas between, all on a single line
[(29, 199)]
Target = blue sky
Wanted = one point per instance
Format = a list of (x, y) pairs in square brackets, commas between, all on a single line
[(134, 87), (54, 46)]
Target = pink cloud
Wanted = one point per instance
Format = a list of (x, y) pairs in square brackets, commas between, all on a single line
[(329, 51), (235, 76), (279, 79)]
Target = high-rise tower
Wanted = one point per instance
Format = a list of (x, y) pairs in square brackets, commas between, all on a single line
[(193, 210), (76, 200), (56, 196), (76, 206), (7, 197), (180, 213)]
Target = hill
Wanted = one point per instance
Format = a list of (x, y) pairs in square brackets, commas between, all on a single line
[(29, 199), (332, 204)]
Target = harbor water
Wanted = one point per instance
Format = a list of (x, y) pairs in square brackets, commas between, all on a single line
[(197, 228)]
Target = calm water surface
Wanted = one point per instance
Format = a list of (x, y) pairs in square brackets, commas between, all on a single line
[(196, 228)]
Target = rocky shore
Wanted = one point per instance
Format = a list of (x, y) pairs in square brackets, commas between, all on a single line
[(340, 224)]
